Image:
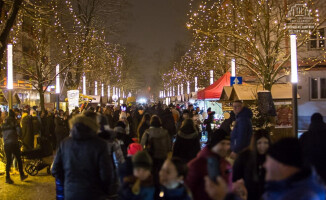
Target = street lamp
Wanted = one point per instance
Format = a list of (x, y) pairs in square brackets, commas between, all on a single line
[(109, 92), (10, 84), (102, 90), (233, 67), (84, 84), (95, 93), (196, 82), (294, 80), (188, 87), (57, 84), (212, 77)]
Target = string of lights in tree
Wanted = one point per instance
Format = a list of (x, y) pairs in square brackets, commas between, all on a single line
[(234, 29)]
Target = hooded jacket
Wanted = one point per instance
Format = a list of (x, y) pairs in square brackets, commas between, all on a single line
[(186, 145), (159, 140), (242, 131), (198, 170), (83, 162), (304, 185)]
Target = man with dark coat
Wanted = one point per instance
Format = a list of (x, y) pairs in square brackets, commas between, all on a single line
[(313, 145), (82, 162), (27, 131), (61, 127), (242, 130), (168, 122)]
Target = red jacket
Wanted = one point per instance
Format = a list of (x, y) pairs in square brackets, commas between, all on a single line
[(198, 170)]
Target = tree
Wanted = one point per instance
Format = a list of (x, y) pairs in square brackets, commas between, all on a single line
[(41, 46), (7, 22), (253, 32)]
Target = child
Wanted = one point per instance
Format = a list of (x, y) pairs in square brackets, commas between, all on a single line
[(140, 185), (172, 174)]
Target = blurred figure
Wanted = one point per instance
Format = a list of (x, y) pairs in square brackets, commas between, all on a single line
[(219, 148), (249, 165), (286, 178), (157, 142), (10, 130), (187, 143), (143, 125), (137, 118), (168, 122), (82, 162), (242, 130), (208, 125), (27, 131), (313, 145), (140, 185), (126, 168), (61, 127), (172, 175)]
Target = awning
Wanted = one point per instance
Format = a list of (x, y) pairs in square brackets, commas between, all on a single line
[(214, 91)]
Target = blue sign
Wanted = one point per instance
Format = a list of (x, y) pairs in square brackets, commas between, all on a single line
[(236, 80)]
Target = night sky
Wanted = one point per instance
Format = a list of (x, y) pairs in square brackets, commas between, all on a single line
[(154, 26)]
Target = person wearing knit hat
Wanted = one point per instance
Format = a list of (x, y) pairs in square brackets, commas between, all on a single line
[(218, 148), (134, 148), (82, 162), (140, 185), (286, 178)]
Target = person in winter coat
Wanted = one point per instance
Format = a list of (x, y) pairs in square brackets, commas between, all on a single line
[(249, 165), (158, 142), (123, 139), (143, 126), (218, 148), (61, 127), (27, 131), (187, 143), (140, 186), (126, 168), (168, 122), (208, 125), (51, 128), (82, 162), (313, 145), (172, 174), (286, 177), (242, 130), (10, 131), (114, 151), (137, 118)]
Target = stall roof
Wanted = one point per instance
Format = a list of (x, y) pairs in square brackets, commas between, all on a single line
[(214, 91), (226, 93), (249, 92)]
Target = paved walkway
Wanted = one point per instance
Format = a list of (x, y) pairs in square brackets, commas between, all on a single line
[(39, 187)]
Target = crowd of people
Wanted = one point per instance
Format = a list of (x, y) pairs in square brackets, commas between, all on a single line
[(155, 152)]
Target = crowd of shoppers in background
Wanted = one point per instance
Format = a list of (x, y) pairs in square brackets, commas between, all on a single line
[(157, 152)]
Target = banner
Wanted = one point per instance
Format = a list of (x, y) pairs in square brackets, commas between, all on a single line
[(73, 99)]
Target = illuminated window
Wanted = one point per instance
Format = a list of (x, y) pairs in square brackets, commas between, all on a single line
[(317, 39), (317, 88)]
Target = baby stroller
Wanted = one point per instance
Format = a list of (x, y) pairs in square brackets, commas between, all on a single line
[(37, 157)]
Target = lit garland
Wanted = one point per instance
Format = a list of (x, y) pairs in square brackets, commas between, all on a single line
[(234, 29)]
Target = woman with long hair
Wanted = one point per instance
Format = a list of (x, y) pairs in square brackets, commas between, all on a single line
[(143, 125), (249, 165)]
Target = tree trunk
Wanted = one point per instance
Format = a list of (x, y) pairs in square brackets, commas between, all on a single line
[(41, 92), (8, 25)]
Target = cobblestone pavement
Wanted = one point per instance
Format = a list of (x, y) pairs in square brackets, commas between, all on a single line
[(39, 187)]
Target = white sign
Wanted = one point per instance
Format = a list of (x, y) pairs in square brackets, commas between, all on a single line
[(299, 19), (73, 99)]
